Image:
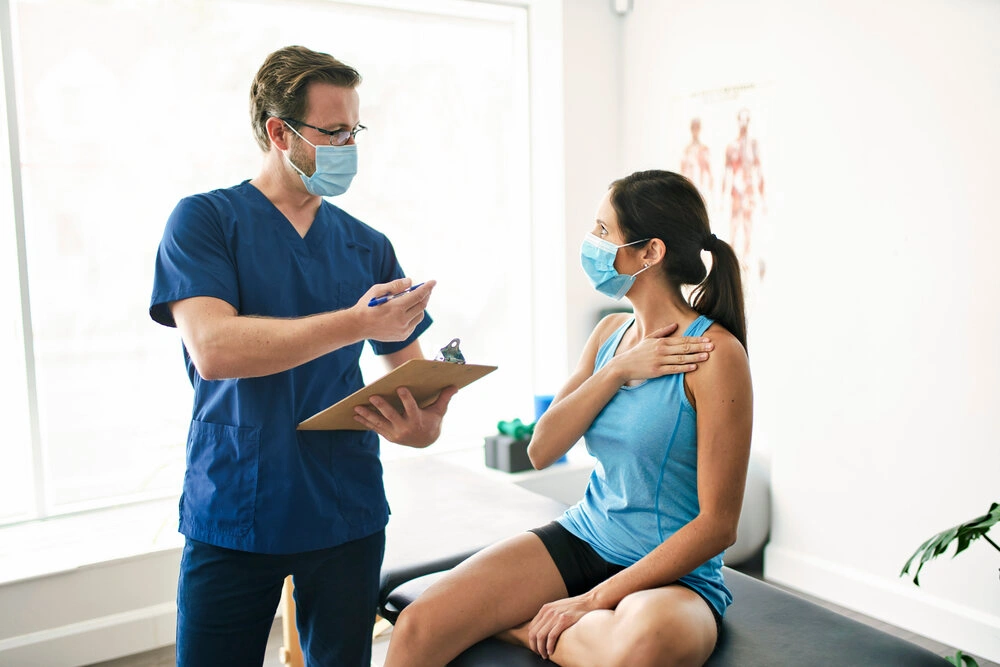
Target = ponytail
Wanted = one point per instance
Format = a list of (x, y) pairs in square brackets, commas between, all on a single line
[(720, 295), (664, 205)]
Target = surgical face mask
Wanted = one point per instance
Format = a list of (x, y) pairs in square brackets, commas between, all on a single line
[(336, 167), (598, 259)]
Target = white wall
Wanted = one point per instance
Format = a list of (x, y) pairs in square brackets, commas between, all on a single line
[(873, 336), (91, 613), (593, 111)]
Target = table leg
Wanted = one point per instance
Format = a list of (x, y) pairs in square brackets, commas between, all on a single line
[(291, 652)]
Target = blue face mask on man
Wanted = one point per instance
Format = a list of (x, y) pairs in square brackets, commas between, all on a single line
[(598, 259), (336, 167)]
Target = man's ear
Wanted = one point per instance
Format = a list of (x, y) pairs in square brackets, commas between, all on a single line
[(654, 252), (278, 133)]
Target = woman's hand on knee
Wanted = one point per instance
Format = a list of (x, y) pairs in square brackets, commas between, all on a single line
[(555, 618)]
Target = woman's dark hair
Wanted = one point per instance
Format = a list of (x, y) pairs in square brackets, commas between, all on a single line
[(664, 205)]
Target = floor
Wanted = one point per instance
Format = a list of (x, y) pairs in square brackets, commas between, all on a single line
[(165, 657)]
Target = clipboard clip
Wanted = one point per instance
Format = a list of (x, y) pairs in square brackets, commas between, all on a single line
[(451, 353)]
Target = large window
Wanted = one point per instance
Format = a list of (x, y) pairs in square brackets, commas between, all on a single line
[(119, 108)]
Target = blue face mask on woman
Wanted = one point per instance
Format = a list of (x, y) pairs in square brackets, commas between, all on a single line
[(598, 259), (336, 167)]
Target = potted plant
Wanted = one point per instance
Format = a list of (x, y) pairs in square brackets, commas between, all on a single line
[(964, 534)]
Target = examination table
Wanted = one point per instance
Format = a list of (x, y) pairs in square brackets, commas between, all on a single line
[(443, 513), (764, 626)]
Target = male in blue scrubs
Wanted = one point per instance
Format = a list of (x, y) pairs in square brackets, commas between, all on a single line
[(268, 284)]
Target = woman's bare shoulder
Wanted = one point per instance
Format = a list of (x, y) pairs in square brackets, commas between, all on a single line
[(608, 325), (727, 354)]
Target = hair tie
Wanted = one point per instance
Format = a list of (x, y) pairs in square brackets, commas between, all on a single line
[(710, 242)]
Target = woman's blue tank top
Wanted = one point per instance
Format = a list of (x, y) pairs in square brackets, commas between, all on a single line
[(644, 486)]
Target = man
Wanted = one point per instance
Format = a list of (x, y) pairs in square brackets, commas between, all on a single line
[(269, 286)]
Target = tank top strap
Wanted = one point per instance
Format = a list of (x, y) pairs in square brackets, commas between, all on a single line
[(608, 347), (699, 326)]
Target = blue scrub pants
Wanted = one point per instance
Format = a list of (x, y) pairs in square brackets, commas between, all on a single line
[(226, 602)]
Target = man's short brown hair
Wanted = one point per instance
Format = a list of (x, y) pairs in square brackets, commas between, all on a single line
[(279, 89)]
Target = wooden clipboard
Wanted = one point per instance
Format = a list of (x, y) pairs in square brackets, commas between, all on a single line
[(424, 378)]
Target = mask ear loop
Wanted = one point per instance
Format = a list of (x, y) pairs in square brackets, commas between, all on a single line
[(298, 135), (645, 265), (289, 158)]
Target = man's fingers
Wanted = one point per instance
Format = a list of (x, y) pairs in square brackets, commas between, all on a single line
[(398, 285), (415, 320), (409, 403), (440, 404), (385, 409), (418, 298), (370, 419)]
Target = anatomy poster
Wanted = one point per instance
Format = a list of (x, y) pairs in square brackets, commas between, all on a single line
[(720, 140)]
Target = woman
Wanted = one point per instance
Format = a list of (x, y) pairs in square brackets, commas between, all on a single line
[(630, 575)]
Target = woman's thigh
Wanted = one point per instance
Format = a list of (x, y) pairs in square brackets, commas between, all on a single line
[(671, 625), (494, 590)]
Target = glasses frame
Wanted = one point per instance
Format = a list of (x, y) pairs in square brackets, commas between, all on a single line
[(346, 135)]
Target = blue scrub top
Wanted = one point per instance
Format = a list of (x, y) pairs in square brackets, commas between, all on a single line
[(253, 482)]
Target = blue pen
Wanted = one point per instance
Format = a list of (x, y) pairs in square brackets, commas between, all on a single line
[(379, 300)]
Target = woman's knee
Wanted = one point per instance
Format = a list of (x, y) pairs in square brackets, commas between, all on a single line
[(657, 649), (429, 622), (678, 651), (412, 628), (658, 634)]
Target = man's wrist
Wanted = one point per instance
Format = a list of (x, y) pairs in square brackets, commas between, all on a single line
[(346, 326)]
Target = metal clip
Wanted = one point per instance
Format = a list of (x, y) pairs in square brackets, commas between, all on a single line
[(451, 353)]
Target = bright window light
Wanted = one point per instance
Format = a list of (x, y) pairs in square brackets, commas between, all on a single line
[(125, 107)]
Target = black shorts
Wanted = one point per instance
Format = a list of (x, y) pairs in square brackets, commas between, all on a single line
[(581, 567)]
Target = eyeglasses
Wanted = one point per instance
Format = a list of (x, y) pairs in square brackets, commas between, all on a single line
[(337, 137)]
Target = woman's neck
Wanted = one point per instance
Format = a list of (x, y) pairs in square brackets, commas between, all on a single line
[(656, 307)]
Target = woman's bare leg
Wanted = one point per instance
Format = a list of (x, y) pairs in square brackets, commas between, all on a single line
[(497, 589), (672, 625)]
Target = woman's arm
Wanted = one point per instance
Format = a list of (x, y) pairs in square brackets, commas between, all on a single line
[(579, 400)]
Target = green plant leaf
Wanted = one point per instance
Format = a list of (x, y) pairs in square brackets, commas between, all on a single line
[(964, 533), (963, 543), (962, 660)]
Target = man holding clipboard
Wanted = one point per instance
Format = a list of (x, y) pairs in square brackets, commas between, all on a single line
[(269, 285)]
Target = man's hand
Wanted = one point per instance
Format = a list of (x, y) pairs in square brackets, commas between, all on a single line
[(660, 354), (415, 427), (395, 319)]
